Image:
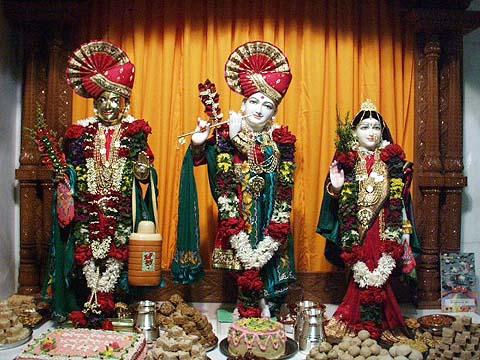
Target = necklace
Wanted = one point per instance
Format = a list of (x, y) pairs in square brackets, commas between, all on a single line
[(372, 188), (105, 173), (260, 142)]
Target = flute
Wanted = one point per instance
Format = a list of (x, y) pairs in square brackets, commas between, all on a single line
[(181, 138)]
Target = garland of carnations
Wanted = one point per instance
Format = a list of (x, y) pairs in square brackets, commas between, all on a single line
[(371, 282), (234, 223), (103, 216)]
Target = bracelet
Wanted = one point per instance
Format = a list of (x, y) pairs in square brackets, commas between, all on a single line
[(330, 191), (407, 227)]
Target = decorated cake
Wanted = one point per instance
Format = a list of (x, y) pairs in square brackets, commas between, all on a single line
[(85, 344), (260, 337)]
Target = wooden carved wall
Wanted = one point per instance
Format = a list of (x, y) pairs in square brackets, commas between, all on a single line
[(439, 181)]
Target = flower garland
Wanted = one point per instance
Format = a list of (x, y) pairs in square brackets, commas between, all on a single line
[(393, 156), (253, 258), (229, 202), (371, 282), (235, 205), (106, 282), (102, 221), (376, 278)]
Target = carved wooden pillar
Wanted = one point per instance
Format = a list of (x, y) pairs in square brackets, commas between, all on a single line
[(451, 116), (34, 95), (429, 171), (44, 86), (439, 181)]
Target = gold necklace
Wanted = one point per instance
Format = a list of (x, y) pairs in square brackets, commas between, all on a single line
[(107, 171), (372, 188), (268, 165)]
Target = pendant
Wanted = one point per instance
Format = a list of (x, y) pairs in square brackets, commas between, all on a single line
[(257, 183), (369, 189), (107, 163)]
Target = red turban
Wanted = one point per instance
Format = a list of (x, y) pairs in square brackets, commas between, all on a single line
[(258, 67), (100, 66)]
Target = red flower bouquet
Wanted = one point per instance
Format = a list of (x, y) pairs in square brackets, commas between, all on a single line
[(390, 151), (107, 325), (248, 312), (278, 231), (137, 127), (119, 253), (250, 281), (372, 295), (229, 227), (105, 300), (346, 160), (78, 319), (283, 136), (393, 248), (74, 132), (351, 257), (83, 253)]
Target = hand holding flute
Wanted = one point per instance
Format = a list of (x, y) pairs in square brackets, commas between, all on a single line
[(202, 131)]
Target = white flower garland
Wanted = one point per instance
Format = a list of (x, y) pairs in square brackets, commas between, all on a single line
[(105, 283), (364, 277), (228, 207), (253, 258), (281, 212)]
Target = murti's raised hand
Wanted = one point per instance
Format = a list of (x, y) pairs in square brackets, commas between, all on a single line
[(337, 177), (235, 124), (202, 131)]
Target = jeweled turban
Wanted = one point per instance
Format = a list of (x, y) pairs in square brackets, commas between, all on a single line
[(258, 66), (100, 66)]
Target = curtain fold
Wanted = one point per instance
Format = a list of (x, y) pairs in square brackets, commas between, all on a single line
[(340, 53)]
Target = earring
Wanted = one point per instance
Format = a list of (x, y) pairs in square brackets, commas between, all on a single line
[(354, 143)]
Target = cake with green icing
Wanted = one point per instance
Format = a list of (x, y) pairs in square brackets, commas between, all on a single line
[(261, 337)]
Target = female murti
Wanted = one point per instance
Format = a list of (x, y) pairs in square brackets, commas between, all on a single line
[(251, 166), (99, 198), (366, 218)]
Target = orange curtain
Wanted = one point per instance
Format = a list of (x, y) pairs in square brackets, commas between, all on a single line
[(340, 53)]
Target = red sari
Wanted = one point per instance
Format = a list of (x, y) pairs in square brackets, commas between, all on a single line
[(349, 311)]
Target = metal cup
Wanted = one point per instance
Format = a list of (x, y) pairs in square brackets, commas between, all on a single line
[(312, 333), (299, 318), (145, 320)]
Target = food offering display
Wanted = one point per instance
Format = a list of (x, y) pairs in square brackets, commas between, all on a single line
[(361, 347), (458, 341), (175, 312), (12, 331), (176, 344)]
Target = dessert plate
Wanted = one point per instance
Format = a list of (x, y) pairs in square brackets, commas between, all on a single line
[(291, 348), (17, 343)]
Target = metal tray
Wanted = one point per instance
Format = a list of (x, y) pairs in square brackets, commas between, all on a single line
[(211, 347), (18, 343)]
